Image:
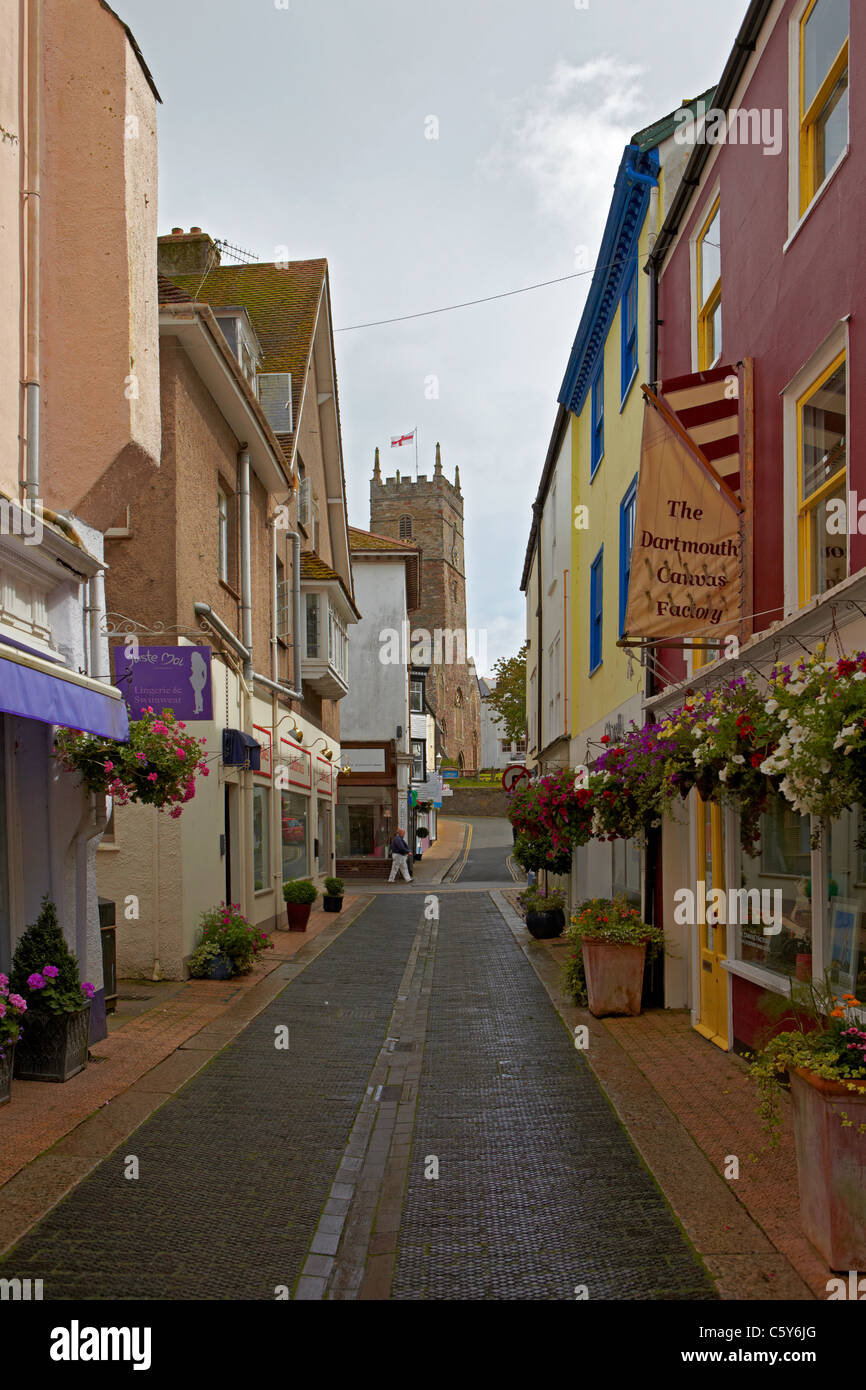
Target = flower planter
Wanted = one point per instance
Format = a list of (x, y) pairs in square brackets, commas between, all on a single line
[(544, 926), (6, 1065), (831, 1167), (222, 968), (614, 976), (803, 967), (52, 1047), (332, 904), (298, 915)]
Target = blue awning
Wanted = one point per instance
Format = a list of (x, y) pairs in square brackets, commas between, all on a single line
[(57, 697)]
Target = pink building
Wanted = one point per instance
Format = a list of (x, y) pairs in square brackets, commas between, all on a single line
[(79, 424)]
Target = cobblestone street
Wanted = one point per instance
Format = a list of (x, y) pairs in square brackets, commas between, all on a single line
[(429, 1133)]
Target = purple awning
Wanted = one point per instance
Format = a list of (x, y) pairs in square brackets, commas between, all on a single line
[(52, 699)]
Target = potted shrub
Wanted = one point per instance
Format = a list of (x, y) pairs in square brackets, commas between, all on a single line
[(823, 1058), (53, 1043), (333, 898), (544, 913), (613, 942), (12, 1010), (299, 895), (228, 944)]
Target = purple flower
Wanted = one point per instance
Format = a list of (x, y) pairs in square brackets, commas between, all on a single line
[(50, 972), (35, 981), (88, 989)]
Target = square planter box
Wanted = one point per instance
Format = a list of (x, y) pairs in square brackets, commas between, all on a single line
[(831, 1168), (52, 1047), (614, 976), (6, 1065)]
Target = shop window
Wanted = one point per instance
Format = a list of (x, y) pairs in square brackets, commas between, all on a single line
[(363, 828), (822, 481), (845, 918), (596, 593), (823, 93), (261, 839), (783, 866), (597, 449), (295, 818), (628, 313), (709, 287)]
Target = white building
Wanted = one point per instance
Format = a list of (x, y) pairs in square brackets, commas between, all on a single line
[(497, 749)]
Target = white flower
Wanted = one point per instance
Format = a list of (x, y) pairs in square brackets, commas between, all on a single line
[(859, 676), (772, 706), (738, 758), (723, 774)]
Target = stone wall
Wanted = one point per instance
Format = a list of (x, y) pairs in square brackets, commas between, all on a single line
[(476, 801)]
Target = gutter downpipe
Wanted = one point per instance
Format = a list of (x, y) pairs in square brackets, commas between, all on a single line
[(32, 195)]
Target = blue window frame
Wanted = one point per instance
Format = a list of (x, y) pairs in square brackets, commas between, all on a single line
[(597, 450), (626, 542), (628, 316), (596, 594)]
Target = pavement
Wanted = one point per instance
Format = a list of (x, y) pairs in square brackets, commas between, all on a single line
[(393, 1107)]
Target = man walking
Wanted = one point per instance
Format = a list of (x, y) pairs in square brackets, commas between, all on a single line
[(400, 856)]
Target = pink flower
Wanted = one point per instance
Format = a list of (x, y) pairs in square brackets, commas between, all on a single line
[(175, 812), (152, 777), (2, 1009), (109, 766), (88, 989), (4, 981), (35, 981), (141, 757), (181, 752), (18, 1003), (50, 972)]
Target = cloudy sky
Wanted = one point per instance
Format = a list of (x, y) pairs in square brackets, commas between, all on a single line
[(307, 124)]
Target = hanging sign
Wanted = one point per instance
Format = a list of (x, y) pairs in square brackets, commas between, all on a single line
[(686, 560), (175, 678)]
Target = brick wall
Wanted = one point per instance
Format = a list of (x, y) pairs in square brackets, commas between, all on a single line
[(476, 801)]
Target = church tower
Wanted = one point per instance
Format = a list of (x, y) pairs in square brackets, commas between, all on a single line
[(429, 513)]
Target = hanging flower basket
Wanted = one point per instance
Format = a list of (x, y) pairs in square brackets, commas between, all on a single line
[(157, 767)]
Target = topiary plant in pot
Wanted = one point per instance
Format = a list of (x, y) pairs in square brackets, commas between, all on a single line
[(299, 894), (544, 913), (333, 897), (53, 1041)]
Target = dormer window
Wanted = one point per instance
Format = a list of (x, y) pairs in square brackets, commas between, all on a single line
[(275, 398), (238, 331)]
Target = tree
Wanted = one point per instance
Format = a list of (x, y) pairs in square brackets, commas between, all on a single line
[(507, 700)]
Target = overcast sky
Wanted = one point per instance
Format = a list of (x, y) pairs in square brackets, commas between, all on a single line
[(305, 123)]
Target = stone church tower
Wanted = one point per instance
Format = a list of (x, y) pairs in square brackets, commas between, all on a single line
[(429, 513)]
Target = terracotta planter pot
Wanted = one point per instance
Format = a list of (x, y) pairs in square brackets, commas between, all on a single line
[(298, 915), (803, 967), (614, 976), (831, 1167), (52, 1047), (544, 926), (6, 1065)]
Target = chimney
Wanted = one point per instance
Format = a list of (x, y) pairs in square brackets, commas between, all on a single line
[(186, 253)]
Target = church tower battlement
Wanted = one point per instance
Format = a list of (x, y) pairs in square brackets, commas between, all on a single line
[(429, 513)]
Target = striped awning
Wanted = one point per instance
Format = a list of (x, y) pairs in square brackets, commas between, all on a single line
[(707, 405)]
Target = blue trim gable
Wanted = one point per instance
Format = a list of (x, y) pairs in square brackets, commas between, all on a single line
[(636, 175)]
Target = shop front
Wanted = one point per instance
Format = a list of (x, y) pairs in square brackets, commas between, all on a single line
[(792, 911), (366, 817)]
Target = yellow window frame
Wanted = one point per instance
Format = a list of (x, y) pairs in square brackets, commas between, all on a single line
[(807, 505), (809, 118), (707, 304)]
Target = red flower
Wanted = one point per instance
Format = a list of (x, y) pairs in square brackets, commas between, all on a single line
[(605, 738)]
